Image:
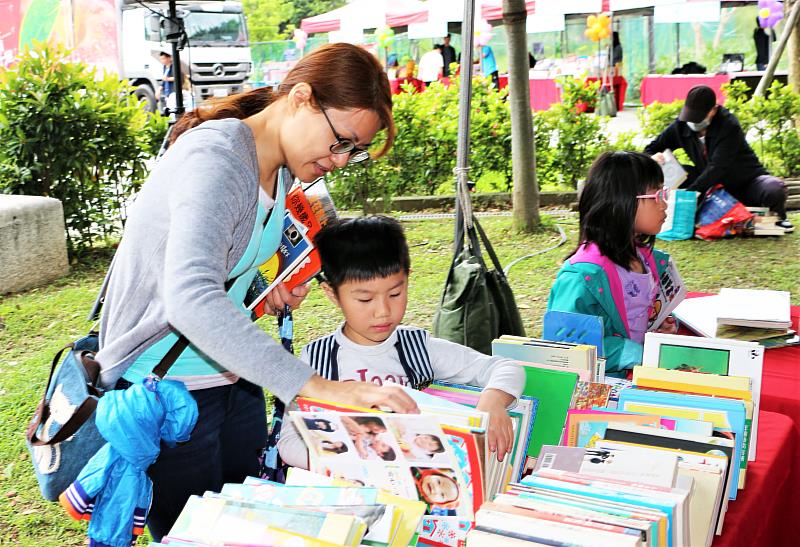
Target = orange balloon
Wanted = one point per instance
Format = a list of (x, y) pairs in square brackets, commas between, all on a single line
[(605, 20), (605, 33), (591, 20)]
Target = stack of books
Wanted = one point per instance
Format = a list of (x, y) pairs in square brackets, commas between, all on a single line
[(309, 510), (764, 222), (761, 316), (660, 469)]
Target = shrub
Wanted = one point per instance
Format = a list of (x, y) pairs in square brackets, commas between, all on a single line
[(656, 117), (771, 120), (422, 159), (71, 134)]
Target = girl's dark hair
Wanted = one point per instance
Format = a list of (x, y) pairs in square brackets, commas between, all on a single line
[(608, 203), (331, 447), (314, 424), (362, 249), (342, 76)]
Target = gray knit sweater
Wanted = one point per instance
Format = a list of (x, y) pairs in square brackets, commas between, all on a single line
[(187, 229)]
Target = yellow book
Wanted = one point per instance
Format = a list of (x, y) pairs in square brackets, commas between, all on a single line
[(737, 387), (410, 516), (285, 538)]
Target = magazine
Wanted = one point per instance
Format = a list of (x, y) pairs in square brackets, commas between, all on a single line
[(297, 261), (408, 455), (672, 291), (674, 173)]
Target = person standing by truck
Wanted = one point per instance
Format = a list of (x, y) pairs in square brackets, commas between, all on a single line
[(167, 80)]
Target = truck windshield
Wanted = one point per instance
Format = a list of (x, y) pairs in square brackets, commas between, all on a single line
[(208, 29)]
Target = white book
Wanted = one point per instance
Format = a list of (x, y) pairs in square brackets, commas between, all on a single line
[(755, 308), (674, 173)]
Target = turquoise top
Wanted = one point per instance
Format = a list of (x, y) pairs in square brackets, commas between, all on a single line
[(263, 244)]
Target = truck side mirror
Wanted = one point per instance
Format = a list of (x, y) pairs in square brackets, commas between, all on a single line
[(153, 28)]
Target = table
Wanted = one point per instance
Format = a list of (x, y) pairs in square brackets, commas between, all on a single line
[(544, 92), (665, 88), (765, 511), (620, 86)]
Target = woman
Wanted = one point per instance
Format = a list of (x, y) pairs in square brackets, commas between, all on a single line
[(209, 214)]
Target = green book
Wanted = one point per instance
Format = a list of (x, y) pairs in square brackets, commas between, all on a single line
[(553, 389)]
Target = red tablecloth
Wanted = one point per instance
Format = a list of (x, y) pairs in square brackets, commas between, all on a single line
[(665, 88), (543, 94), (764, 512), (620, 85)]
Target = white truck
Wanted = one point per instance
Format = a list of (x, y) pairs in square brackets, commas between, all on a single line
[(125, 36)]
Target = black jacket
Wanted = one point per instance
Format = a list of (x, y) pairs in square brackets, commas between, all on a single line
[(730, 159), (448, 56)]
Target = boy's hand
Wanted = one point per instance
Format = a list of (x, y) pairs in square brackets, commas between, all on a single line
[(501, 431), (364, 394)]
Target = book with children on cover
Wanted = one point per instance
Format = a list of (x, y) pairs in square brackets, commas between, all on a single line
[(408, 455), (308, 210)]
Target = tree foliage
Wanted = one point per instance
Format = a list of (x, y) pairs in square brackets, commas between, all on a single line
[(70, 134), (268, 20)]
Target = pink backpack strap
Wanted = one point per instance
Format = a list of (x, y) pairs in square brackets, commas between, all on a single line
[(590, 253)]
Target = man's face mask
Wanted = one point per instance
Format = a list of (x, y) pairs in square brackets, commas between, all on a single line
[(699, 126)]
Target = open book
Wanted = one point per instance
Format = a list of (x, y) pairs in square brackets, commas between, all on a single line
[(297, 260)]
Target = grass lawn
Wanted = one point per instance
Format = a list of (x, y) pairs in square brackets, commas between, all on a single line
[(36, 323)]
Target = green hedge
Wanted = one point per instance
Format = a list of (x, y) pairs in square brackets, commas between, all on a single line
[(74, 135)]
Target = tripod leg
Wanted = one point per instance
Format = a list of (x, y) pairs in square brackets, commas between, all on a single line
[(165, 142)]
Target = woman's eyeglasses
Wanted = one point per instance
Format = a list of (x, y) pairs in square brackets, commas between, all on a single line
[(661, 196), (345, 146)]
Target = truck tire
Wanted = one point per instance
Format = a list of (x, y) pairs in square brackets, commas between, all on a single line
[(146, 97)]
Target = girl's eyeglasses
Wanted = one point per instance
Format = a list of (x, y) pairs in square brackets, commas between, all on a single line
[(660, 196), (345, 146)]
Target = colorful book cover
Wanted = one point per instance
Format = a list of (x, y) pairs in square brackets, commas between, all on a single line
[(311, 208), (294, 247), (590, 394), (467, 454), (408, 455), (444, 531)]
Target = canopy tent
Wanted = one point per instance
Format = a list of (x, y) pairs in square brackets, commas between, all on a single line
[(364, 14)]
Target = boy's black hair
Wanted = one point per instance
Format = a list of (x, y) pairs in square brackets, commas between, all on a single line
[(362, 249), (607, 206)]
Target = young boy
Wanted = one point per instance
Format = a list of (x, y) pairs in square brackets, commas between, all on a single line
[(365, 262)]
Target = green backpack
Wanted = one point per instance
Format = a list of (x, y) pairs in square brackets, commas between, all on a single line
[(477, 304)]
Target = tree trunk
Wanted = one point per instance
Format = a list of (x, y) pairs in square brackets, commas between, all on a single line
[(724, 16), (523, 153), (794, 51)]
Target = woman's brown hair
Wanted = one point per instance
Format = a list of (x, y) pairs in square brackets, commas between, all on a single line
[(342, 77)]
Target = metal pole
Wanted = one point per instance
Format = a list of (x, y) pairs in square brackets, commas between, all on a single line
[(464, 98), (176, 64), (678, 44)]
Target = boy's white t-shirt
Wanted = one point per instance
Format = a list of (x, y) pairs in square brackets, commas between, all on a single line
[(379, 364)]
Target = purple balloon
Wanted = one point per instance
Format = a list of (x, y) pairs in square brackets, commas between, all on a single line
[(775, 13)]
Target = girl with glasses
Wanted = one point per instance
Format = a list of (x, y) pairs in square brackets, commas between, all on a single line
[(615, 273), (209, 214)]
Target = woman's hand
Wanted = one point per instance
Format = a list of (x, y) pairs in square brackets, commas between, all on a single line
[(281, 296), (501, 431), (669, 326), (364, 394)]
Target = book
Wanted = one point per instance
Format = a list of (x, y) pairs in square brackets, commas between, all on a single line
[(710, 355), (583, 427), (657, 468), (763, 309), (674, 173), (706, 316), (561, 354), (671, 292), (385, 451), (707, 471), (590, 394), (308, 210)]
